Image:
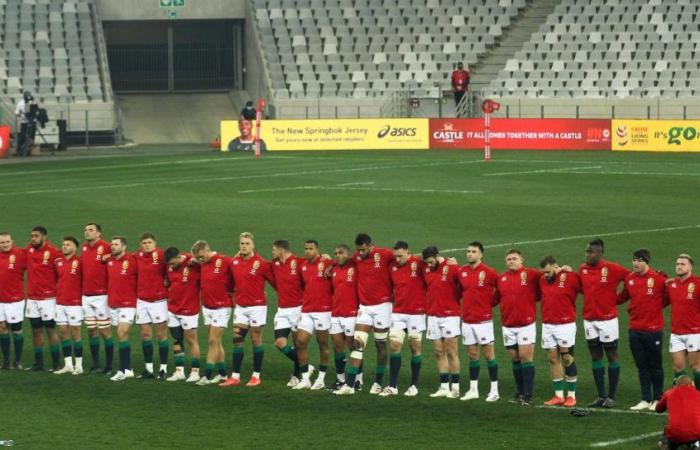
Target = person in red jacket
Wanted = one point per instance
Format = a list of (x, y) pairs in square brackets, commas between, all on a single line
[(559, 288), (683, 405), (517, 294), (344, 313), (41, 295), (684, 295), (460, 82), (69, 309), (13, 264), (478, 289), (599, 281), (646, 290)]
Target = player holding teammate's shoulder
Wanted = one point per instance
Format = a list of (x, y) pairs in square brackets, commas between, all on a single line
[(286, 270), (344, 313), (216, 284), (478, 288), (152, 304), (69, 309), (559, 288), (518, 293), (183, 310), (250, 271), (13, 264), (599, 281), (122, 273), (407, 317), (97, 316), (41, 295)]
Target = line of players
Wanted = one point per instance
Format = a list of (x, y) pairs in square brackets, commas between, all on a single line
[(387, 292)]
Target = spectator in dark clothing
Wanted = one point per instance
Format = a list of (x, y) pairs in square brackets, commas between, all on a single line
[(248, 112)]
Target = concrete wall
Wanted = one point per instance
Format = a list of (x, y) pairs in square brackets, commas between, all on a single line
[(151, 10)]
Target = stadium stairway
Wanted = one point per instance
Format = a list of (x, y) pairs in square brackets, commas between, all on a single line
[(184, 118), (528, 22)]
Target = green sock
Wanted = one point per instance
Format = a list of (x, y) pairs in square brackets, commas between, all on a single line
[(195, 363), (179, 360), (571, 386), (65, 344), (124, 344), (558, 384), (678, 374), (417, 359)]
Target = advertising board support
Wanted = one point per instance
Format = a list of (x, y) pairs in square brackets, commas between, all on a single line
[(488, 107), (258, 119)]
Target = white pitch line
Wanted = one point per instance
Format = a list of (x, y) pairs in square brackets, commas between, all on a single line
[(581, 236), (607, 411), (626, 440), (350, 188), (651, 174), (361, 183), (282, 189), (528, 172)]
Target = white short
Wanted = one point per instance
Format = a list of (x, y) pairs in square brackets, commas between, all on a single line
[(287, 318), (411, 323), (604, 330), (123, 315), (684, 342), (558, 335), (151, 312), (46, 309), (69, 315), (377, 316), (12, 312), (345, 325), (216, 317), (315, 321), (443, 327), (477, 333), (253, 316), (519, 335), (95, 306), (186, 322)]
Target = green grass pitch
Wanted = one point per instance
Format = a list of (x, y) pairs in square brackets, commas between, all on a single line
[(546, 202)]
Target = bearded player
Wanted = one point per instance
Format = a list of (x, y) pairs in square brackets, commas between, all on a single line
[(407, 317), (69, 308), (183, 311), (13, 264), (41, 295)]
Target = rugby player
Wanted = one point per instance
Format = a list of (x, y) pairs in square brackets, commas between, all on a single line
[(599, 281), (41, 296), (97, 316), (183, 310), (407, 317), (559, 290), (122, 272), (69, 308), (152, 304), (344, 312), (478, 289), (13, 264), (250, 271)]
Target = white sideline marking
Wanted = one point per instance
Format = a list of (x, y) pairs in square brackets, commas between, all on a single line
[(527, 172), (361, 183), (651, 174), (283, 189), (342, 187), (331, 169), (625, 440), (603, 410), (581, 236)]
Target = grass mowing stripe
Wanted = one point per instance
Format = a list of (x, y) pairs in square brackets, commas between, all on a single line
[(582, 236), (351, 188), (625, 440)]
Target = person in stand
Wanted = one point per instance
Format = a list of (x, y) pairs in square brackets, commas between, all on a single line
[(460, 82)]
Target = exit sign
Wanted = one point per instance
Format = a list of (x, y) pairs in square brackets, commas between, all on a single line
[(172, 3)]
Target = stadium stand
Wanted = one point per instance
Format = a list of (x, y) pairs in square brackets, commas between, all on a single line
[(55, 49)]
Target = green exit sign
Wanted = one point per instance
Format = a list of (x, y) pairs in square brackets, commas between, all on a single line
[(172, 3)]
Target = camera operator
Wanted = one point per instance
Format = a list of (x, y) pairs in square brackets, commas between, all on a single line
[(30, 116), (21, 113)]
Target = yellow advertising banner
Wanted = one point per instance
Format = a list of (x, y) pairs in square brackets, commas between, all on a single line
[(337, 134), (656, 135)]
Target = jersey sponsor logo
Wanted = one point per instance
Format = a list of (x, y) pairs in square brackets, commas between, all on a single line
[(445, 271), (100, 251), (523, 279), (691, 290), (351, 274), (482, 278), (217, 265), (185, 274), (154, 257), (74, 267), (604, 275), (293, 267), (11, 262), (377, 260), (256, 266), (562, 280), (47, 255), (125, 267), (319, 269)]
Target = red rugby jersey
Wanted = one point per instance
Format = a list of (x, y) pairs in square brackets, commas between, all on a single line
[(684, 297), (41, 272), (558, 302), (318, 288), (478, 290), (518, 292), (216, 283), (288, 281), (373, 276), (122, 276), (12, 267), (94, 268), (69, 289), (647, 295), (152, 273), (443, 290), (249, 276), (599, 284), (409, 286), (345, 301), (184, 288)]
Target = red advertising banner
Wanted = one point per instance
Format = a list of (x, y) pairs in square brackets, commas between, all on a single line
[(522, 134), (4, 140)]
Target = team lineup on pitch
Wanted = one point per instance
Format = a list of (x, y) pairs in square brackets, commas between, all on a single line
[(341, 300)]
